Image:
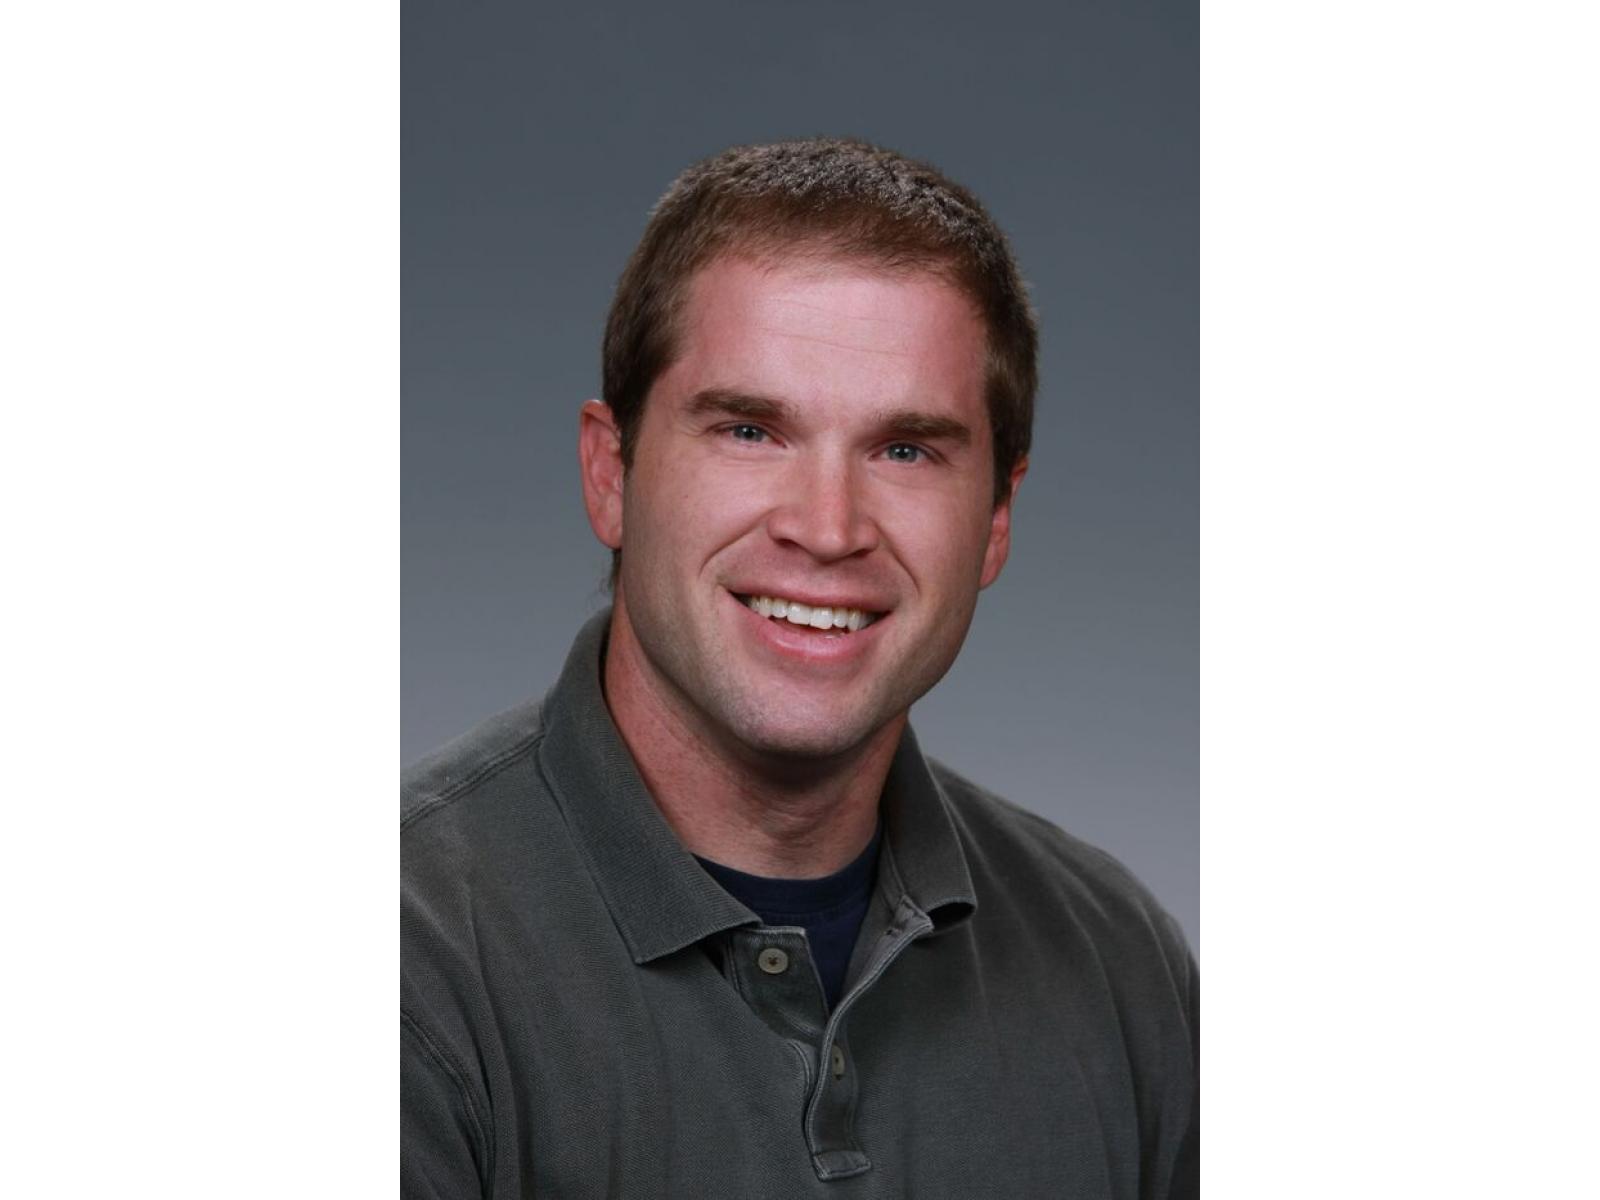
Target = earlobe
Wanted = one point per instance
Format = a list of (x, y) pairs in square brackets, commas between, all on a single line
[(600, 464), (999, 548)]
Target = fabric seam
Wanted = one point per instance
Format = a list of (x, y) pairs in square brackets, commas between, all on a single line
[(489, 769), (446, 1063)]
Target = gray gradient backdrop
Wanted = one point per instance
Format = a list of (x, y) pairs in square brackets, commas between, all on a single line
[(535, 139)]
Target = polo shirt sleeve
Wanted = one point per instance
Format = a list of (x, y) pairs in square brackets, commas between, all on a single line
[(444, 1154)]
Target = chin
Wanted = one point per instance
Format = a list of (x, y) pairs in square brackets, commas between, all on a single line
[(789, 737)]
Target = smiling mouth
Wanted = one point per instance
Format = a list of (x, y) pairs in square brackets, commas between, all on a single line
[(822, 618)]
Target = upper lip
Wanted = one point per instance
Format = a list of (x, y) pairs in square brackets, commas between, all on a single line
[(815, 599)]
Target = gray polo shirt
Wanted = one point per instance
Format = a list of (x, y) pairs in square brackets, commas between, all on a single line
[(585, 1012)]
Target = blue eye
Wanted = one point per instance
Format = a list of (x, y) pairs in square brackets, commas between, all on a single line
[(904, 452), (748, 433)]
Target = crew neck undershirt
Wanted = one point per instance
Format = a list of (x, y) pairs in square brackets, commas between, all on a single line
[(829, 909)]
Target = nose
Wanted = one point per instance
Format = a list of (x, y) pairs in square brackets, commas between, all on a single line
[(824, 511)]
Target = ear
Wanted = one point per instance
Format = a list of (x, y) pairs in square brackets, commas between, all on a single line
[(600, 464), (994, 557)]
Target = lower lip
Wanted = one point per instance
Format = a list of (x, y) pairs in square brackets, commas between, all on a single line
[(803, 644)]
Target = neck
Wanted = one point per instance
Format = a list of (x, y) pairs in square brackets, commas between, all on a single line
[(778, 816)]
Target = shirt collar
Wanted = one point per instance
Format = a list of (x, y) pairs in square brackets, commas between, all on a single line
[(659, 896)]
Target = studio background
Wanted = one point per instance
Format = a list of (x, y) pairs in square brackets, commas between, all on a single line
[(535, 139)]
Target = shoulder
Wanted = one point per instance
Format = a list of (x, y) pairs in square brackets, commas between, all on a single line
[(460, 808), (463, 810), (470, 766), (1024, 862)]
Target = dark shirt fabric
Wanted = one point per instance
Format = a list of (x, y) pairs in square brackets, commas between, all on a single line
[(829, 910), (586, 1012)]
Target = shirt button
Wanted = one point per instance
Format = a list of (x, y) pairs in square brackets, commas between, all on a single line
[(773, 961), (838, 1062)]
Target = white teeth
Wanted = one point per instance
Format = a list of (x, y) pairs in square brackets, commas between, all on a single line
[(824, 617)]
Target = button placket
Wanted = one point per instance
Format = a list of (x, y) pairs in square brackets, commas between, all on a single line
[(771, 968), (830, 1116)]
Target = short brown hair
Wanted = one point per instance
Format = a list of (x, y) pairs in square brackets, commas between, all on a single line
[(829, 197)]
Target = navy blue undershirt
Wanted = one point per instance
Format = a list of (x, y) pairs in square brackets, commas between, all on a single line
[(829, 909)]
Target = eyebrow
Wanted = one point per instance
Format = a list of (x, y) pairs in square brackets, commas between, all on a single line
[(926, 427), (719, 402), (895, 423)]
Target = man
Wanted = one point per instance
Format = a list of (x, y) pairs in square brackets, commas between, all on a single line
[(705, 922)]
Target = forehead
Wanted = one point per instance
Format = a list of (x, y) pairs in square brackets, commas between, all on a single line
[(823, 329)]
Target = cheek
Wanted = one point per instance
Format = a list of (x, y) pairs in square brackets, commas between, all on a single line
[(940, 541), (716, 507), (688, 514)]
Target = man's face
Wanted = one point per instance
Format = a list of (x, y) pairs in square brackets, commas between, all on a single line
[(822, 438)]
